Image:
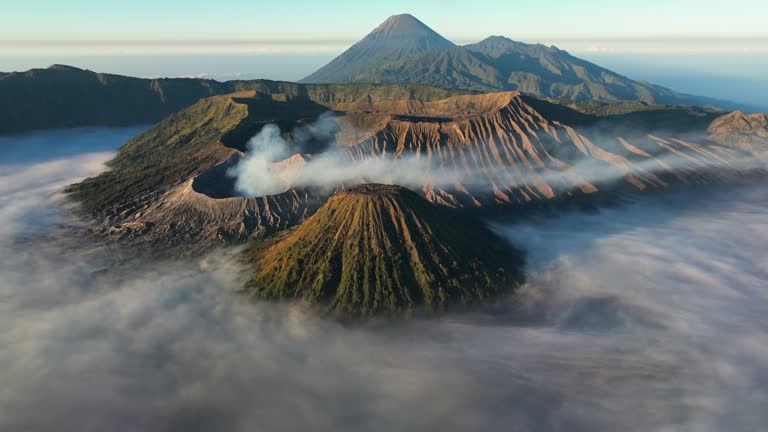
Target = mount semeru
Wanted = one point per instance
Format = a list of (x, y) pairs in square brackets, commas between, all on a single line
[(403, 50)]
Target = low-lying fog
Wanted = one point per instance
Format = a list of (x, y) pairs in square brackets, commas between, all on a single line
[(651, 316)]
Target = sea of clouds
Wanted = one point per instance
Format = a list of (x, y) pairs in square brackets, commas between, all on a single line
[(648, 316)]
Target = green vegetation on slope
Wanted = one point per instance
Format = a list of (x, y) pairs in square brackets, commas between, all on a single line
[(179, 147), (188, 142), (383, 250)]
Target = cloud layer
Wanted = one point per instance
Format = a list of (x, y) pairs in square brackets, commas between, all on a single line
[(645, 317)]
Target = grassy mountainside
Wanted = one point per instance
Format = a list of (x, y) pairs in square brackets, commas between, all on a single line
[(64, 96), (180, 146), (382, 249)]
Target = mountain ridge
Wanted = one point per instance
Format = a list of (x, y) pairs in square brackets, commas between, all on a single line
[(66, 96), (496, 63)]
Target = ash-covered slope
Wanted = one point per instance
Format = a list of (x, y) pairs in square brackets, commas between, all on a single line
[(497, 149), (381, 249), (169, 186), (402, 55), (745, 131)]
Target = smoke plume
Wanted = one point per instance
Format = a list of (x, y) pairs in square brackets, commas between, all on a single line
[(260, 172)]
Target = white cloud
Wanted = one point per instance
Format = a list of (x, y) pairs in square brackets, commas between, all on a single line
[(645, 317)]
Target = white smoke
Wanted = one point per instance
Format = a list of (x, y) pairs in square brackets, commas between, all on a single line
[(257, 174), (254, 173)]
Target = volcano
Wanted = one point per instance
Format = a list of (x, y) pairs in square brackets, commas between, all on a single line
[(377, 249), (488, 152), (403, 50), (397, 38)]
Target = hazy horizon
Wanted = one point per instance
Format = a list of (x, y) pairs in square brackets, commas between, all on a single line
[(720, 76), (696, 53)]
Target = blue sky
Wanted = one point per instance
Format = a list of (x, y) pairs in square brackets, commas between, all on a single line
[(714, 48), (347, 19)]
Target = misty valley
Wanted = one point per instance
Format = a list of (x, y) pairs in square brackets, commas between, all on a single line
[(636, 316)]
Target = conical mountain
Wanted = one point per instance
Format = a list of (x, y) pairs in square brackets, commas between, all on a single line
[(399, 37), (383, 250), (403, 50)]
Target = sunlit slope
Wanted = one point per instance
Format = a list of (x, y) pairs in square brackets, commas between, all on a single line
[(381, 249), (746, 131)]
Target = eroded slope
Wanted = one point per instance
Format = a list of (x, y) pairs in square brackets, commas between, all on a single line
[(382, 249)]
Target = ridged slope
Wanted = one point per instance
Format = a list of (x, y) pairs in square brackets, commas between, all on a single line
[(745, 131), (496, 149), (382, 249)]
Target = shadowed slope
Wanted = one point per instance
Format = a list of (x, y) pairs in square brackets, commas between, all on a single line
[(382, 249), (64, 96)]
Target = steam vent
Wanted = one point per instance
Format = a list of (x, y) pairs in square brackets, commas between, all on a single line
[(377, 249)]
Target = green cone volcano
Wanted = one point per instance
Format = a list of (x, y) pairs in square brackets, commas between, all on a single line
[(383, 250)]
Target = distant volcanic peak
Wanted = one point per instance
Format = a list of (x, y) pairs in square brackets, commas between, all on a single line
[(403, 50), (406, 26), (496, 46), (497, 40), (400, 36), (65, 68), (397, 38), (382, 250)]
